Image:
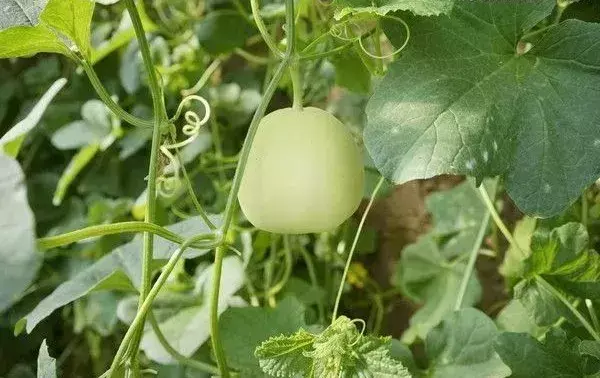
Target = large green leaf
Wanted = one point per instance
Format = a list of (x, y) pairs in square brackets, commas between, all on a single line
[(527, 357), (466, 97), (55, 26), (244, 329), (19, 258), (382, 7), (463, 346), (119, 270), (187, 330)]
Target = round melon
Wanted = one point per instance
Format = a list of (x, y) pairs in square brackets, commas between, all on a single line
[(304, 173)]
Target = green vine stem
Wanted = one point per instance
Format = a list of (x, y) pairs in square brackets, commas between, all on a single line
[(262, 28), (107, 229), (498, 221), (160, 120), (183, 360), (354, 243), (210, 70), (214, 313), (296, 85), (107, 99), (472, 256), (590, 306), (138, 321), (557, 294)]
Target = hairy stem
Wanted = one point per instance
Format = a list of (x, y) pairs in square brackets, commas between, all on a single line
[(498, 221), (472, 256), (262, 28), (107, 229), (107, 99), (214, 313), (354, 243), (296, 85), (160, 120)]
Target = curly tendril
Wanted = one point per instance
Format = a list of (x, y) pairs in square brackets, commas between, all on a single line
[(167, 185), (362, 331), (341, 31)]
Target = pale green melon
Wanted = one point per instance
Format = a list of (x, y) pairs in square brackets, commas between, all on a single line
[(304, 173)]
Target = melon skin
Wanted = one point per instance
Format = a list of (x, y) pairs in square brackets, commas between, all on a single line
[(304, 173)]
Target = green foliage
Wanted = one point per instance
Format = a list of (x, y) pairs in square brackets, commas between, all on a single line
[(244, 329), (94, 168), (11, 142), (120, 270), (562, 257), (188, 328), (46, 364), (463, 346), (222, 32), (339, 351), (20, 260), (467, 85), (430, 271), (527, 357), (57, 28)]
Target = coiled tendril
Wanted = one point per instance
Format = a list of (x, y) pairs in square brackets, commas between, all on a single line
[(169, 182), (343, 32)]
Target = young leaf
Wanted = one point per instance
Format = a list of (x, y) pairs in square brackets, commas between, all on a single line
[(12, 140), (339, 351), (382, 7), (119, 270), (284, 356), (463, 346), (19, 258), (46, 365), (527, 357), (468, 97)]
